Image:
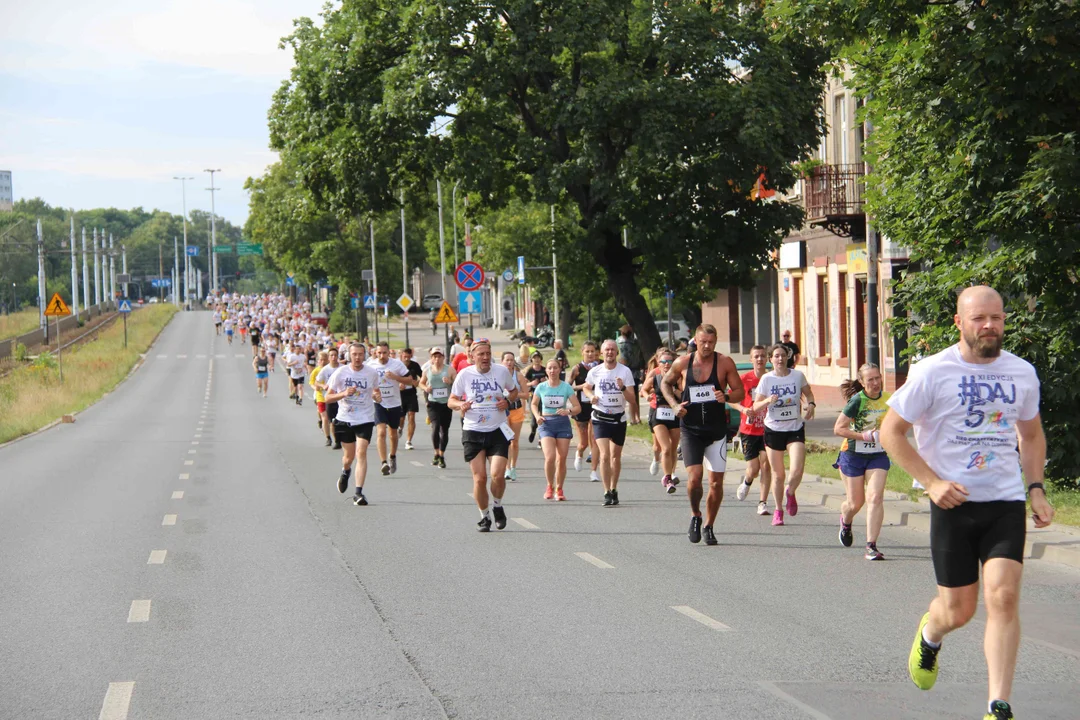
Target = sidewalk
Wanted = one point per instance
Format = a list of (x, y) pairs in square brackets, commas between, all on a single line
[(1057, 543)]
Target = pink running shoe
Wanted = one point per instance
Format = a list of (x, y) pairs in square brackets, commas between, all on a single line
[(791, 505), (559, 495), (549, 493), (778, 518)]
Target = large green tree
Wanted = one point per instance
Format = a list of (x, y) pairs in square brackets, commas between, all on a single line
[(975, 109), (655, 116)]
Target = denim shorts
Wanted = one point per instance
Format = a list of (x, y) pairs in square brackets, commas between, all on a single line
[(556, 426)]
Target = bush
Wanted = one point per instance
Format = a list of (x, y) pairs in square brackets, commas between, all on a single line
[(20, 352)]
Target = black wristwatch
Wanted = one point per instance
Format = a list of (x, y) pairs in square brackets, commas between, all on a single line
[(1036, 485)]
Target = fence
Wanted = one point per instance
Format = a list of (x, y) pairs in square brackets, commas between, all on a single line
[(36, 337)]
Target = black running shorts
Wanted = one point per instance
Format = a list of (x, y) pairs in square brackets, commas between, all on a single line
[(752, 445), (964, 538), (409, 403), (493, 443), (345, 433), (586, 413), (615, 432), (779, 440), (669, 424), (387, 416), (699, 445)]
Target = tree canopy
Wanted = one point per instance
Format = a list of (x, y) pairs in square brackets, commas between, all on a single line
[(656, 117)]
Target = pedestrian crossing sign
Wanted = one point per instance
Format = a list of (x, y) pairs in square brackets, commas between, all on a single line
[(446, 314), (125, 306), (57, 307)]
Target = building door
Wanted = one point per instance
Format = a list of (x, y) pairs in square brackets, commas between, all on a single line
[(860, 323)]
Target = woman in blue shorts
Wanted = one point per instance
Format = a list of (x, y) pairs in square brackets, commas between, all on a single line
[(554, 403), (863, 462)]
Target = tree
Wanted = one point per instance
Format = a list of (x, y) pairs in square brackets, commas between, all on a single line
[(658, 117), (976, 109)]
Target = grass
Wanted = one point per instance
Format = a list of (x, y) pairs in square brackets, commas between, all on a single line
[(32, 396), (18, 323)]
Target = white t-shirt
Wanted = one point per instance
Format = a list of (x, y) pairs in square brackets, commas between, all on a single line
[(603, 381), (359, 408), (965, 419), (483, 390), (325, 374), (391, 396), (785, 415), (296, 362)]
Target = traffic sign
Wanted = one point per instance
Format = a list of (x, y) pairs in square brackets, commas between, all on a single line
[(369, 302), (469, 301), (125, 306), (192, 250), (446, 314), (290, 281), (469, 275), (521, 269), (354, 303), (508, 275), (367, 274), (160, 282), (223, 249), (57, 307), (405, 302), (249, 249), (123, 279)]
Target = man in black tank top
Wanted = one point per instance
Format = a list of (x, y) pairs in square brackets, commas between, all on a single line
[(704, 374)]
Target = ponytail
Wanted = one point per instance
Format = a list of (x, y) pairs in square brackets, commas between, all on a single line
[(850, 388)]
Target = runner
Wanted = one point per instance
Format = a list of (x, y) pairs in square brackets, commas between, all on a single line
[(297, 371), (663, 422), (862, 461), (709, 380), (392, 374), (610, 387), (410, 404), (589, 353), (554, 402), (482, 393), (355, 388), (217, 320), (256, 337), (262, 372), (329, 409), (752, 437), (243, 327), (436, 381), (975, 411), (516, 416), (228, 327), (535, 374), (320, 399), (781, 391)]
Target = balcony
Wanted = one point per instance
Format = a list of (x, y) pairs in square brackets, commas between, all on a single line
[(834, 199)]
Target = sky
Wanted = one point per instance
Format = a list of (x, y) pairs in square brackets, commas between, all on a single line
[(103, 102)]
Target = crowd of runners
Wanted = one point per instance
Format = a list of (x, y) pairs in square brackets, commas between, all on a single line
[(974, 410)]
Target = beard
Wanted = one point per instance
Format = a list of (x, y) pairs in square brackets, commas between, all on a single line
[(986, 346)]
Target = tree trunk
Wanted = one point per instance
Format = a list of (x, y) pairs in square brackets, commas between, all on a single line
[(618, 261), (567, 320)]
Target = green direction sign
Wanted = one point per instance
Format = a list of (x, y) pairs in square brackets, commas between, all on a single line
[(223, 249), (249, 249)]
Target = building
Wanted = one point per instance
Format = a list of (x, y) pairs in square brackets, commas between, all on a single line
[(7, 199), (818, 289)]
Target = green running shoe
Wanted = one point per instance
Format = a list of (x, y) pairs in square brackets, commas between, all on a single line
[(922, 663)]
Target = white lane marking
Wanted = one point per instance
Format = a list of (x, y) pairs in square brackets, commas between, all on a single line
[(700, 617), (192, 452), (525, 523), (178, 495), (197, 435), (469, 494), (157, 557), (185, 476), (181, 357), (189, 462), (593, 560), (194, 442), (417, 463), (117, 701), (169, 520), (777, 692), (200, 357), (140, 611), (162, 357)]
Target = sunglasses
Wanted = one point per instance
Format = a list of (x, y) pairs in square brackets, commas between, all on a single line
[(666, 362)]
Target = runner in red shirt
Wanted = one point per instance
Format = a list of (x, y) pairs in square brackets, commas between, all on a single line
[(752, 434)]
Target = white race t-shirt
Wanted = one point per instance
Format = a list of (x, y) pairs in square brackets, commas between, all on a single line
[(785, 415), (965, 419), (359, 408), (391, 396), (603, 381), (296, 362), (326, 373), (483, 390)]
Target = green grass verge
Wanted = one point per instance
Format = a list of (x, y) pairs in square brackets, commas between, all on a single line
[(33, 396), (18, 323)]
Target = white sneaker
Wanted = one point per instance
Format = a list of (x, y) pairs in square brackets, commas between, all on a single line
[(762, 508), (577, 463), (512, 474), (744, 488), (594, 477), (408, 445), (654, 467)]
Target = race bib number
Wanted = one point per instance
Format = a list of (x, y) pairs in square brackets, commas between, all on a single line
[(581, 397), (554, 402), (507, 431), (784, 412), (665, 413), (385, 387), (867, 448), (440, 393), (702, 394)]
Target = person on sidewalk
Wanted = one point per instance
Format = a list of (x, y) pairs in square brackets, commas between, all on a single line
[(862, 462), (752, 437), (975, 411)]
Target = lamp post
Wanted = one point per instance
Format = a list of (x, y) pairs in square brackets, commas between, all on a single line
[(213, 232), (187, 259)]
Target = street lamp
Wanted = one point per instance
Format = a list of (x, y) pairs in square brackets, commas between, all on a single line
[(214, 283), (187, 259)]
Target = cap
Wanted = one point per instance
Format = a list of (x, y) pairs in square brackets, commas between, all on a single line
[(435, 350)]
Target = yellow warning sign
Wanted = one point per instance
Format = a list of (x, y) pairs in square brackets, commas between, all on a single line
[(57, 307), (446, 314)]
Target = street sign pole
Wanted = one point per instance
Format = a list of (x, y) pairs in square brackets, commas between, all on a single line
[(59, 359), (125, 330)]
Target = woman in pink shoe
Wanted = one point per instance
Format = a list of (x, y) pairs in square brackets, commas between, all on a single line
[(554, 403)]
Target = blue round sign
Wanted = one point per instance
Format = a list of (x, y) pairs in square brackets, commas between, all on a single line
[(469, 276), (508, 275)]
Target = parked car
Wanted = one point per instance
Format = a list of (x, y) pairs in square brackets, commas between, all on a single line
[(678, 327), (431, 302)]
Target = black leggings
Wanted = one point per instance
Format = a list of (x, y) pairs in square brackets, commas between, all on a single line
[(440, 415)]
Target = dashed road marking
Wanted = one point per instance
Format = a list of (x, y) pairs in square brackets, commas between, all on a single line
[(185, 476), (192, 452), (777, 692), (178, 495), (525, 523), (169, 520), (700, 617), (117, 701), (189, 462), (417, 463), (157, 557), (194, 442), (139, 612), (593, 560), (181, 357), (162, 357)]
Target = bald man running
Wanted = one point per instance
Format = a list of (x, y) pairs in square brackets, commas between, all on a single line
[(975, 411)]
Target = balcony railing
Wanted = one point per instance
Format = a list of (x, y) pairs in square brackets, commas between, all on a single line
[(834, 198)]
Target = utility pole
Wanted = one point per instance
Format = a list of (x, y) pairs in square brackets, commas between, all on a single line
[(97, 271), (187, 258), (453, 201), (375, 286), (123, 251), (214, 276), (112, 270), (209, 262), (42, 322), (468, 250), (554, 275), (176, 271), (442, 256), (74, 274), (404, 274), (160, 268), (85, 275)]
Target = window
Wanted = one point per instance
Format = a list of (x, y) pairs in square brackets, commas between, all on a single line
[(824, 334), (840, 130)]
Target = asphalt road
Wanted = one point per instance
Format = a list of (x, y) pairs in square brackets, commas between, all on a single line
[(272, 596)]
